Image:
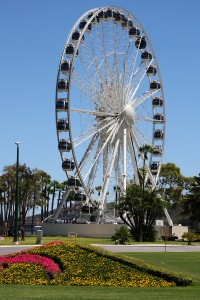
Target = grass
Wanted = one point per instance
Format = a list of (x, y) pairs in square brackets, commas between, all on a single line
[(97, 293), (31, 240), (186, 263)]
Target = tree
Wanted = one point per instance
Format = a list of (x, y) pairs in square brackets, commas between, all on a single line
[(45, 181), (36, 194), (138, 206), (98, 189), (190, 204), (34, 191), (8, 185), (173, 185), (145, 149), (56, 187)]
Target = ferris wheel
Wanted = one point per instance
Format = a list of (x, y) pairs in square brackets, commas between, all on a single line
[(109, 103)]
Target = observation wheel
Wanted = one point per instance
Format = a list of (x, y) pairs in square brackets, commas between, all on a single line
[(109, 103)]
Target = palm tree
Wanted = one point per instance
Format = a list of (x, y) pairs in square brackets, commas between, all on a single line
[(98, 189), (144, 150), (56, 186)]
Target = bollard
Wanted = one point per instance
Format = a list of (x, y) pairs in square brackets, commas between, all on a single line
[(39, 236)]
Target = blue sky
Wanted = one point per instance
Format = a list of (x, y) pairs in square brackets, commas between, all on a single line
[(33, 34)]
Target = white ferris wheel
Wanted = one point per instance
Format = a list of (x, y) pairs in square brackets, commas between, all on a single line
[(109, 103)]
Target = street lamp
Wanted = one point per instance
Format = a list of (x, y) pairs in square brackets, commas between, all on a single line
[(15, 239)]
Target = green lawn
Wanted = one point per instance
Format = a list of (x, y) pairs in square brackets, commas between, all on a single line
[(187, 263), (31, 240), (97, 293)]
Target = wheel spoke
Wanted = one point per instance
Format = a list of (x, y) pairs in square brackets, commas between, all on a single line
[(107, 176), (95, 113), (139, 100), (103, 146), (133, 157), (89, 91), (91, 131), (136, 80)]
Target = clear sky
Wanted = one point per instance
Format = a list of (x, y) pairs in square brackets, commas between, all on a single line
[(33, 33)]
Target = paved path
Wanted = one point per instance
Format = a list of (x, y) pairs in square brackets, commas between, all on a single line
[(15, 248), (150, 248), (116, 248)]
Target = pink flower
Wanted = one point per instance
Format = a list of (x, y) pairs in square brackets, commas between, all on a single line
[(48, 264)]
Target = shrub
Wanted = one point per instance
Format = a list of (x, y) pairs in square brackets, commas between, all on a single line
[(191, 237), (121, 235)]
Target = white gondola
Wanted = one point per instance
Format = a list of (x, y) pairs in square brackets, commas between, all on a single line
[(155, 85), (65, 66), (68, 165), (103, 15), (111, 14), (158, 118), (119, 17), (157, 101), (134, 32), (71, 50), (64, 145), (76, 35), (80, 197), (146, 56), (157, 151), (158, 134), (62, 125), (154, 167), (127, 24), (63, 85), (95, 20), (83, 25), (87, 210), (140, 43), (73, 182), (151, 70), (61, 104)]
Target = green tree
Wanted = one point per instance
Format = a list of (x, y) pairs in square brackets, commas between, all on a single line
[(139, 206), (144, 150), (56, 187), (190, 204), (98, 189), (45, 181), (36, 194), (33, 192), (173, 185), (8, 184)]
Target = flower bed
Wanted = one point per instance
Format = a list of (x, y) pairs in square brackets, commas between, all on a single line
[(80, 265)]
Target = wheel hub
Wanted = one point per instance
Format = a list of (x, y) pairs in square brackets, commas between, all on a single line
[(129, 114)]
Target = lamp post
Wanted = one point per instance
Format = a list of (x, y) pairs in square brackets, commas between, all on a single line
[(15, 239)]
